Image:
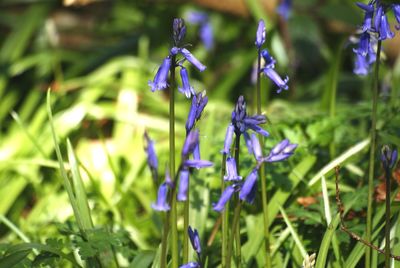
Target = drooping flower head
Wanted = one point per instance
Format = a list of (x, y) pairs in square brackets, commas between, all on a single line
[(249, 187), (375, 27), (228, 139), (151, 153), (231, 170), (161, 79), (225, 197), (162, 199), (396, 10), (171, 62), (199, 101), (369, 13), (281, 151), (183, 185), (270, 72), (382, 26), (186, 88)]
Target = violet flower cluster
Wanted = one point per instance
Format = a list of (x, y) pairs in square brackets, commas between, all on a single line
[(205, 31), (190, 154), (375, 27), (269, 62), (239, 125), (160, 80)]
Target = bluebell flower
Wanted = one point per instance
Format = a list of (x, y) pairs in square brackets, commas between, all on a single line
[(249, 187), (190, 265), (363, 45), (285, 9), (268, 59), (231, 170), (206, 31), (196, 17), (361, 66), (186, 88), (194, 240), (161, 78), (179, 30), (193, 163), (279, 82), (255, 143), (369, 14), (183, 185), (190, 58), (269, 71), (162, 196), (388, 157), (225, 197), (190, 144), (150, 151), (260, 35), (196, 152), (382, 25), (281, 151), (228, 139), (199, 101), (242, 122), (396, 10), (207, 35)]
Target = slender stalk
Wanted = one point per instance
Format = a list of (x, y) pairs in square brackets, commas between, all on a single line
[(235, 231), (372, 154), (173, 218), (225, 216), (185, 228), (163, 260), (264, 197), (387, 218), (236, 226)]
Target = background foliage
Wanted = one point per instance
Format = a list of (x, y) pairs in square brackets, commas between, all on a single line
[(97, 58)]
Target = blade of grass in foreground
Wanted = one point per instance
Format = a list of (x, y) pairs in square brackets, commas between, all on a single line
[(295, 236), (79, 189)]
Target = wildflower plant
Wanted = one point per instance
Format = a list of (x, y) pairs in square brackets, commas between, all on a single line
[(177, 184), (374, 30)]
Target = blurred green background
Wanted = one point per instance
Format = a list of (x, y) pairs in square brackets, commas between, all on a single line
[(96, 57)]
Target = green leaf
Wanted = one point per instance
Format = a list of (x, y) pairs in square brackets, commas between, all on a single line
[(13, 258)]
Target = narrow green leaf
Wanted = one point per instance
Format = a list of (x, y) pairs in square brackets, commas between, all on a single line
[(339, 160), (79, 189), (295, 236)]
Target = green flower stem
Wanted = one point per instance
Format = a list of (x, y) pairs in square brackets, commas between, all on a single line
[(236, 226), (173, 218), (372, 154), (264, 197), (235, 231), (225, 216), (387, 218), (164, 241), (185, 228)]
